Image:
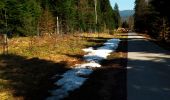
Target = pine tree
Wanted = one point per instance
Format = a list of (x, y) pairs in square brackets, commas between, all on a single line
[(46, 22), (31, 16), (117, 15), (141, 10), (125, 24), (30, 12), (2, 16), (164, 18), (150, 17)]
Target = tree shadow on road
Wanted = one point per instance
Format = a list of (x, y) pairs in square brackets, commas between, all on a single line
[(149, 79), (145, 46), (148, 71)]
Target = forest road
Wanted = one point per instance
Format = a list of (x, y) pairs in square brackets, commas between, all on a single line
[(148, 70)]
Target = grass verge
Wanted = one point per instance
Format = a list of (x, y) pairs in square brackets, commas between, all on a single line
[(25, 73)]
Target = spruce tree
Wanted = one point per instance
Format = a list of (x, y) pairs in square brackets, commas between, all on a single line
[(117, 15)]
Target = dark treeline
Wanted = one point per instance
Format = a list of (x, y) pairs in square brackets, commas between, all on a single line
[(32, 17), (151, 17)]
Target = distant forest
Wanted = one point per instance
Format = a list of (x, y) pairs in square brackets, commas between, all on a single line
[(152, 17), (38, 17)]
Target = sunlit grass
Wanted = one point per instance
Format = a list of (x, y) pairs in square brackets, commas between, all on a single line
[(6, 95), (54, 48), (5, 92)]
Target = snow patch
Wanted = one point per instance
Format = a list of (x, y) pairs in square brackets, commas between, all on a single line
[(71, 80), (88, 65), (102, 52), (75, 77)]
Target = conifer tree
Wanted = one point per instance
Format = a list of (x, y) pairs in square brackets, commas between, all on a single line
[(32, 16), (117, 15)]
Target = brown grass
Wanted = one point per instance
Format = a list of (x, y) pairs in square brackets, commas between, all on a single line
[(53, 48)]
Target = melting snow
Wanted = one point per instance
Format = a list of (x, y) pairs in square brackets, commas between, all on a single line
[(102, 52), (88, 65), (75, 77)]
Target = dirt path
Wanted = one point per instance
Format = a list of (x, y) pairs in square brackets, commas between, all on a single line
[(148, 75)]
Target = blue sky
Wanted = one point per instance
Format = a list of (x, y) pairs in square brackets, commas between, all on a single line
[(123, 4)]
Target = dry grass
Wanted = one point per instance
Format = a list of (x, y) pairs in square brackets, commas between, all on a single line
[(56, 48), (25, 72), (104, 35), (53, 48)]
